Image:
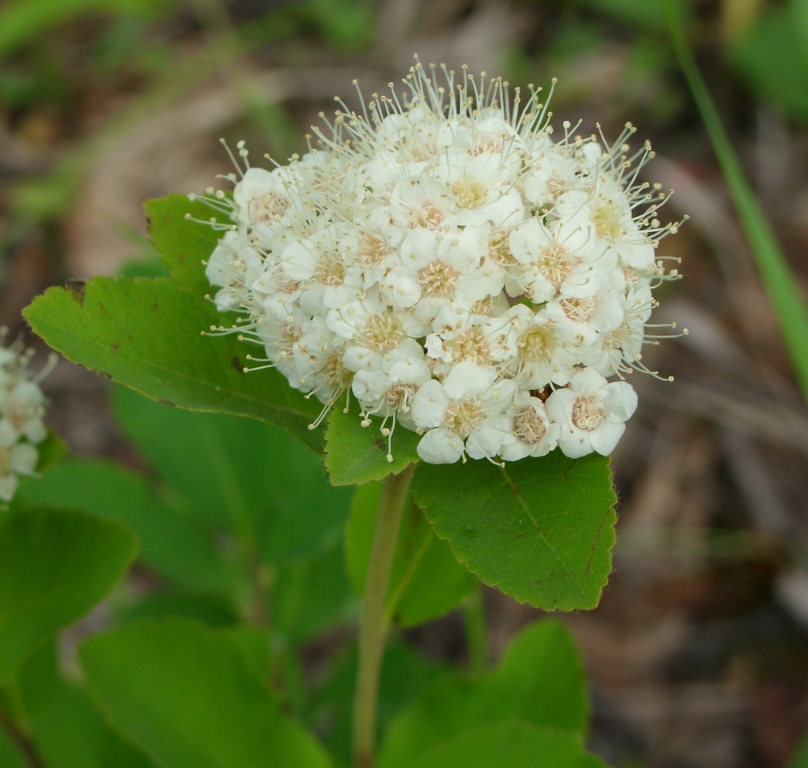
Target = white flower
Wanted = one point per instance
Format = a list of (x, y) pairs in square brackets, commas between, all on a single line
[(440, 256), (532, 434), (556, 260), (22, 406), (233, 265), (463, 414), (591, 413)]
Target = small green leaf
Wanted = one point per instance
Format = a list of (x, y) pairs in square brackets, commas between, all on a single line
[(239, 473), (356, 454), (54, 566), (147, 334), (146, 267), (171, 543), (539, 681), (52, 450), (426, 581), (509, 745), (182, 243), (540, 530), (188, 696)]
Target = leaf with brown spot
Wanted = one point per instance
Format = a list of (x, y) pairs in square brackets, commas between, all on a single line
[(76, 288), (147, 333)]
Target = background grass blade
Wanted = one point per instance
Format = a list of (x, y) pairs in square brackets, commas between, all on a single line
[(781, 284)]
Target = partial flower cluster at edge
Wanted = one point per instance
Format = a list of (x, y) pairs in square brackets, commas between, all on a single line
[(445, 261), (22, 407)]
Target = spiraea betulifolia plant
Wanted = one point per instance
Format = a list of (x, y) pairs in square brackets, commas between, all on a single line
[(442, 299)]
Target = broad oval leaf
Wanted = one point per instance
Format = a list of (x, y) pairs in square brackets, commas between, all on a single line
[(540, 529), (510, 745), (426, 581), (148, 334), (187, 695), (54, 566)]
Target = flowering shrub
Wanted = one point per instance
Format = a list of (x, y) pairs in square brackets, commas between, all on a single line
[(442, 259), (439, 268)]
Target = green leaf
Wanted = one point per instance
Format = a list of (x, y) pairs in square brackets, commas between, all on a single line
[(213, 610), (54, 566), (638, 13), (146, 267), (147, 334), (800, 757), (769, 59), (182, 243), (34, 684), (22, 21), (540, 530), (51, 450), (539, 681), (356, 454), (310, 594), (171, 543), (254, 645), (239, 473), (188, 696), (509, 745), (71, 733), (426, 581)]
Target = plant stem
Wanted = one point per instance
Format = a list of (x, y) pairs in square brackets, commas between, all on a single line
[(373, 626), (476, 632), (22, 741)]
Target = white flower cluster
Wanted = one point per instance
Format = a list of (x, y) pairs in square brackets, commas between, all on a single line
[(445, 261), (22, 406)]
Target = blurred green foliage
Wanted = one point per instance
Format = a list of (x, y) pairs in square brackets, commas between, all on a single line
[(772, 58)]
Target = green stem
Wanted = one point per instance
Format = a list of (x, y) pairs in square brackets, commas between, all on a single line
[(374, 625), (476, 632), (23, 742)]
